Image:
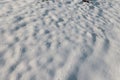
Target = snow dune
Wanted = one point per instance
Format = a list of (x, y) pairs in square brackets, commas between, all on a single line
[(59, 40)]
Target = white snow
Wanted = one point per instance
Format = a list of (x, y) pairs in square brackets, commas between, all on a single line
[(59, 40)]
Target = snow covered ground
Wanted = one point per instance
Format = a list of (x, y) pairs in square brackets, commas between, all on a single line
[(61, 40)]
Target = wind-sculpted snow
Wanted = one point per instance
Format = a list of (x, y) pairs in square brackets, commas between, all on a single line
[(59, 40)]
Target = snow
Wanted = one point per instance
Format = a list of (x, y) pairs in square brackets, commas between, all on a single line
[(59, 40)]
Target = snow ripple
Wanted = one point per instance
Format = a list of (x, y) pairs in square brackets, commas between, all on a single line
[(58, 40)]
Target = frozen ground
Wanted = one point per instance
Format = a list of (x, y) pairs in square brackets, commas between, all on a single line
[(62, 40)]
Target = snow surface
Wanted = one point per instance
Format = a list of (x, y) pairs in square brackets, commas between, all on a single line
[(59, 40)]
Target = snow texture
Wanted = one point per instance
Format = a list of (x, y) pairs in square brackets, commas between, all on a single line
[(59, 40)]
